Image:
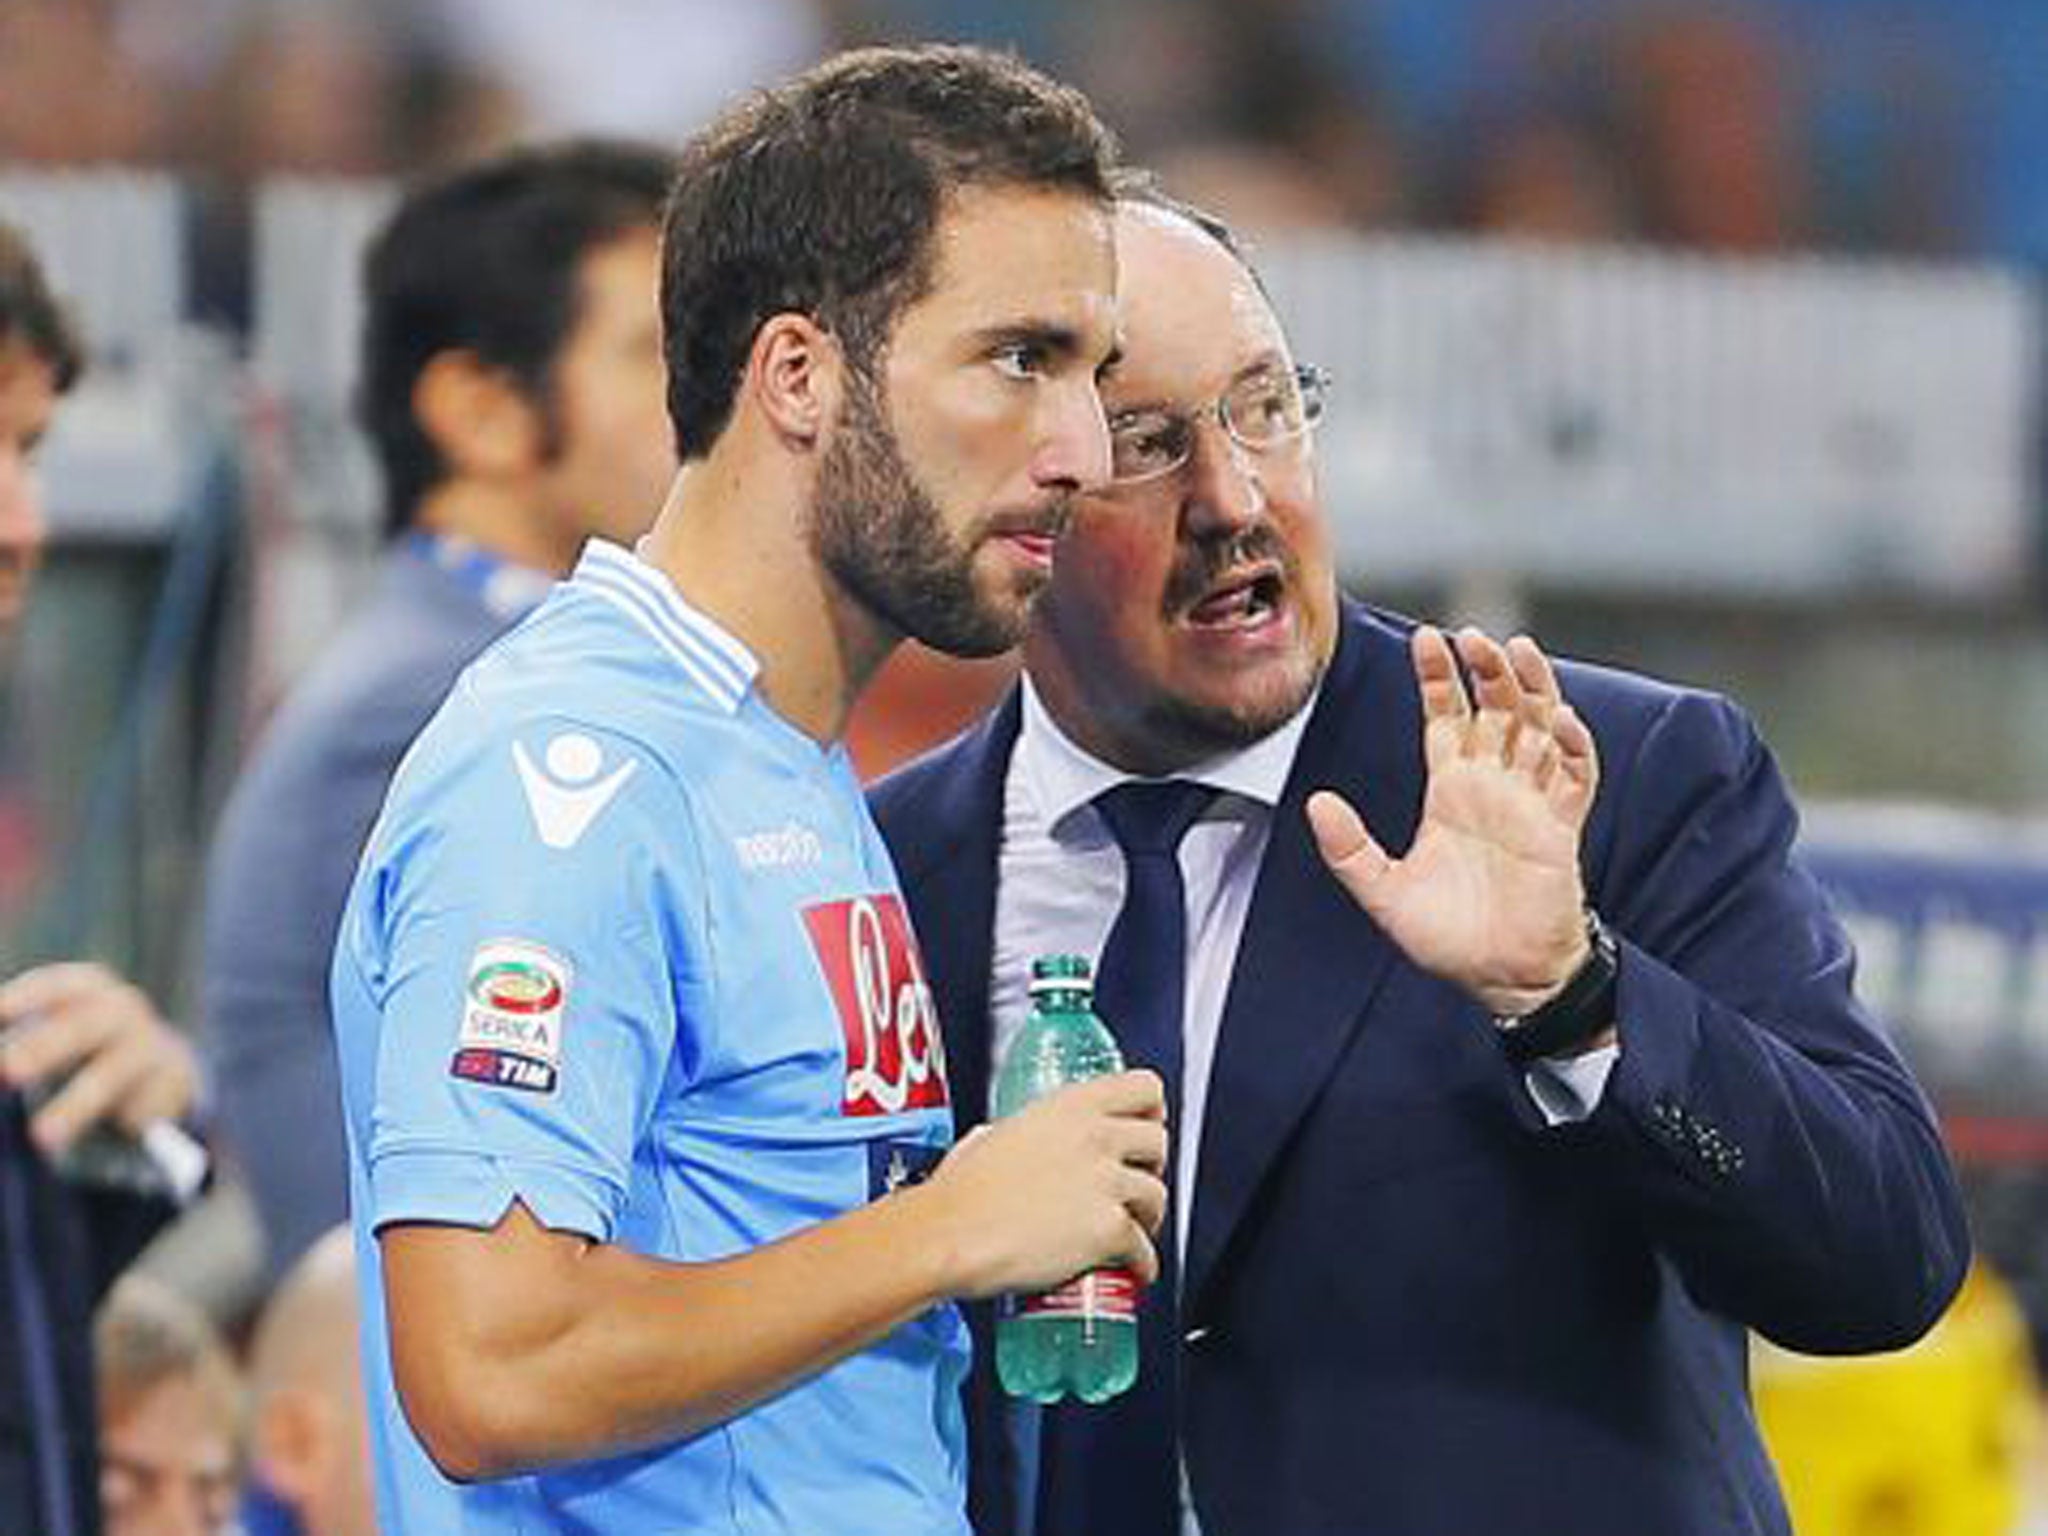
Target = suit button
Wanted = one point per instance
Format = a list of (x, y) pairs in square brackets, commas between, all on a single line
[(1669, 1119), (1197, 1335)]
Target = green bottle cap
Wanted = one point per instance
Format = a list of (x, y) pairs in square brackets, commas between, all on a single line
[(1060, 973)]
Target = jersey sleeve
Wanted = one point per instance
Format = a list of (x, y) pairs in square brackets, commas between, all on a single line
[(535, 934)]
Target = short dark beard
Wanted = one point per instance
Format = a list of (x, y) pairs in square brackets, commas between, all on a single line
[(883, 538), (1190, 732)]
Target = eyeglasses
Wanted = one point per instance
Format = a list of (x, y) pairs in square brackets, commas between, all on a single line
[(1261, 412)]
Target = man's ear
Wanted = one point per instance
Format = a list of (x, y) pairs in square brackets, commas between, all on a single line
[(477, 417), (795, 373)]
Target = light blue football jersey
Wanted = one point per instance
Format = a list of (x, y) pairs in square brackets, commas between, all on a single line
[(626, 946)]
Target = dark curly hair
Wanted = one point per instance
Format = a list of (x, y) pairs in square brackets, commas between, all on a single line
[(820, 197)]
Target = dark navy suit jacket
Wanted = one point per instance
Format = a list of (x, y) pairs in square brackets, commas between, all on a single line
[(1410, 1308)]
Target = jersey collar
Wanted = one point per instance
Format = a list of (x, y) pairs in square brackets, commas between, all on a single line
[(716, 659)]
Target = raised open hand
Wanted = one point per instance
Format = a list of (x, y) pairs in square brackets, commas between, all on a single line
[(1489, 896)]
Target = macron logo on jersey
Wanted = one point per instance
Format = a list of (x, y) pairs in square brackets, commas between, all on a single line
[(564, 791), (788, 846)]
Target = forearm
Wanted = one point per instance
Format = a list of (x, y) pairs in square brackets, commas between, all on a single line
[(1799, 1186), (594, 1350), (1767, 1136), (518, 1347)]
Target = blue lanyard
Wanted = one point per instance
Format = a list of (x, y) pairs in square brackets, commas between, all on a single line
[(507, 589)]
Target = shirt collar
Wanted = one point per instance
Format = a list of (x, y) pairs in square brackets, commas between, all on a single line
[(506, 588), (1064, 776)]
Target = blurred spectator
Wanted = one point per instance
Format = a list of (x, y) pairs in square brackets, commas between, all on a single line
[(1267, 190), (170, 1415), (1936, 1440), (512, 390), (1160, 69), (308, 88), (69, 92), (1714, 124), (1545, 175), (309, 1438), (1747, 124), (1237, 102), (1286, 94)]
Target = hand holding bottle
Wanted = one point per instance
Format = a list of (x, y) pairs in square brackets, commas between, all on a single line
[(1072, 1183), (107, 1076), (1080, 1337)]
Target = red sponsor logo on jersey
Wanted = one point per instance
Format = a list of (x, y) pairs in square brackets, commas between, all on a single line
[(895, 1060)]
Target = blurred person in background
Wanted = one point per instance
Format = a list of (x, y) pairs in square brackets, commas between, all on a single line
[(80, 1048), (70, 94), (309, 1437), (511, 386), (1545, 172), (170, 1413), (1937, 1440), (640, 1073), (1512, 1058), (1706, 101)]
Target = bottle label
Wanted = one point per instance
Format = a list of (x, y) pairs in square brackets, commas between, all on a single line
[(1099, 1293)]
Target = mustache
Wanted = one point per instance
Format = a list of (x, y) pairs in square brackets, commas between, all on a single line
[(1207, 561), (1049, 516)]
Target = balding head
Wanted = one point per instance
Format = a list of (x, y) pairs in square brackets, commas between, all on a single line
[(311, 1443)]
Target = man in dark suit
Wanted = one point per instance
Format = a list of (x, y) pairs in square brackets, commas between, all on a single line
[(1489, 1154)]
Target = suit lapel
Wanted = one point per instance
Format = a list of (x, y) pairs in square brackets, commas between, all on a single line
[(1309, 961)]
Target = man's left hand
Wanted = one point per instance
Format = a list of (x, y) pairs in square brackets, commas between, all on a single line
[(96, 1036), (1489, 896)]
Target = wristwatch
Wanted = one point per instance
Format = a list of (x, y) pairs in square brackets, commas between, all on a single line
[(1583, 1010)]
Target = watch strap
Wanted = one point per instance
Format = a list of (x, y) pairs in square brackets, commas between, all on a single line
[(1582, 1010)]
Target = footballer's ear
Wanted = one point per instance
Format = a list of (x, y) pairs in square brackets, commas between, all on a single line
[(795, 373)]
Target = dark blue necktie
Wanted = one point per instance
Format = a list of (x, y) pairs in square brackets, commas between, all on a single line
[(1114, 1469)]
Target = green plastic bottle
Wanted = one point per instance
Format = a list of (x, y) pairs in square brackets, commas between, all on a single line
[(1080, 1340)]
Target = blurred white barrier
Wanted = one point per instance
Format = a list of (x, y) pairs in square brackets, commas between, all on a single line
[(1616, 417), (310, 233), (1504, 414), (131, 450), (306, 278), (113, 242)]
